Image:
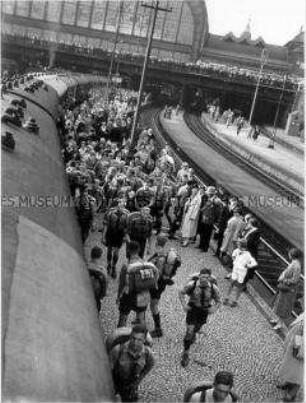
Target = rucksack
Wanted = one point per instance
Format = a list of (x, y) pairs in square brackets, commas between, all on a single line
[(98, 281), (202, 388), (173, 261), (195, 276), (142, 276)]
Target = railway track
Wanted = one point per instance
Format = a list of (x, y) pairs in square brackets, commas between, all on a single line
[(198, 127), (272, 249)]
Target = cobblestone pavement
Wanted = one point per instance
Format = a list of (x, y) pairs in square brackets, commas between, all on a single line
[(236, 339)]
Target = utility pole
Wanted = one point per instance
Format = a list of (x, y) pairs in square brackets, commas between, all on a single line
[(156, 8), (263, 60), (272, 139), (109, 77)]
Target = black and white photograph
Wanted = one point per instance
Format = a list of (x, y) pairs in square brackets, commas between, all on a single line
[(152, 201)]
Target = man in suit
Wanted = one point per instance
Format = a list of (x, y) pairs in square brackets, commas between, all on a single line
[(209, 215)]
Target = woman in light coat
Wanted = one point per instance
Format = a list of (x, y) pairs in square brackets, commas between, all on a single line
[(234, 227), (191, 216), (291, 374)]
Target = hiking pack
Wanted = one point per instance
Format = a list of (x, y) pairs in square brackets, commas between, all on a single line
[(142, 276), (203, 388)]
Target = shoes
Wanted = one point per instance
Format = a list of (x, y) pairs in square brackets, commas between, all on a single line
[(233, 304), (274, 322), (225, 302), (278, 326), (185, 359), (227, 277), (281, 386), (156, 333)]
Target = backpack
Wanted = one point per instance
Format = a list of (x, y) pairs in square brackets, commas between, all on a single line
[(159, 200), (194, 277), (202, 388), (98, 281), (138, 228), (142, 276), (173, 261), (118, 219)]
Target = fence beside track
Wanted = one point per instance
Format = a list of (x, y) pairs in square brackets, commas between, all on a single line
[(271, 259)]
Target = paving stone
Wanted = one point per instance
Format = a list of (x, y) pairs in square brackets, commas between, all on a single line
[(236, 339)]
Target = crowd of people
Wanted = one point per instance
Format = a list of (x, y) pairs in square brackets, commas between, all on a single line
[(136, 191), (231, 117), (217, 70)]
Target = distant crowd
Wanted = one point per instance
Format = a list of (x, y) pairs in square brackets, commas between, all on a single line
[(218, 70), (137, 196)]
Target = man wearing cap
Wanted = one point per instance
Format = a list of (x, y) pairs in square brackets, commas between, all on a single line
[(167, 269), (204, 299), (209, 215)]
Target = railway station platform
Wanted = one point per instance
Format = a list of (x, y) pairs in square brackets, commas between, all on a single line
[(292, 142), (284, 216), (238, 339), (283, 162)]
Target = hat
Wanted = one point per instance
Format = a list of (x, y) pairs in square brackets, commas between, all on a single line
[(161, 240), (211, 190)]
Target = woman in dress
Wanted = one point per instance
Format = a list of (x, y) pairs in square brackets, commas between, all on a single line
[(191, 216), (288, 283)]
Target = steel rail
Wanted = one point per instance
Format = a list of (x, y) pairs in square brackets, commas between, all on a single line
[(154, 118)]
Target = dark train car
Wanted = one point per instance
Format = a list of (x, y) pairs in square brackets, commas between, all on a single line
[(52, 346)]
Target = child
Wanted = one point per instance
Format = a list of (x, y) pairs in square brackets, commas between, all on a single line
[(242, 261)]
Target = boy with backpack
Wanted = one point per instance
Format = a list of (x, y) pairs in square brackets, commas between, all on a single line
[(204, 299), (137, 278), (131, 362), (219, 391), (167, 264), (115, 229), (97, 275)]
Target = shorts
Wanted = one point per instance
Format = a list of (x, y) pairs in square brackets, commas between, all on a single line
[(238, 275), (128, 304), (196, 316), (156, 293)]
